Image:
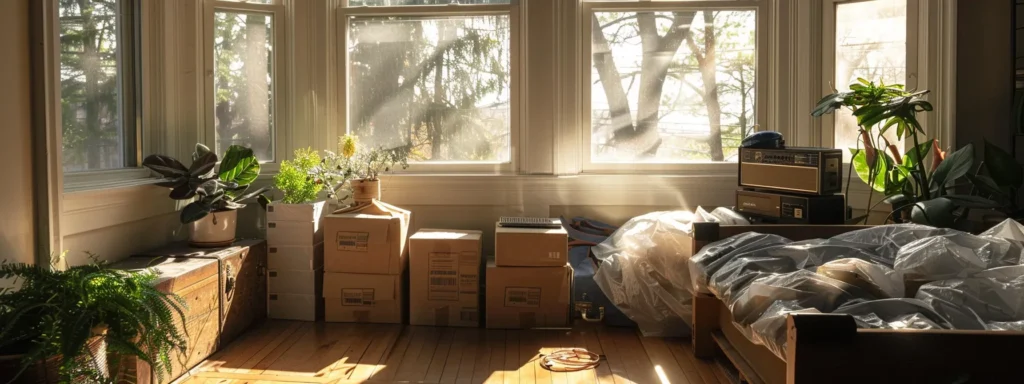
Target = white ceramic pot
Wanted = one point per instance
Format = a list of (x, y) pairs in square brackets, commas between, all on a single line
[(214, 230)]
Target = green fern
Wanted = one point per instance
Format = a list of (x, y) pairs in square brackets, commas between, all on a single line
[(298, 178), (54, 311)]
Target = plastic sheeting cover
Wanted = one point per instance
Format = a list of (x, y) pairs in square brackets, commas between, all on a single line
[(806, 288), (716, 255), (876, 279), (977, 303), (644, 271), (885, 241), (954, 255)]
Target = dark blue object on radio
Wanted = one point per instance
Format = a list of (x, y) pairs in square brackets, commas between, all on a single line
[(764, 140), (588, 301)]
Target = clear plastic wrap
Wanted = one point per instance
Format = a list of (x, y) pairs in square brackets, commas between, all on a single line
[(770, 330), (974, 303), (805, 288), (644, 272), (876, 279), (1009, 229), (894, 314), (885, 241), (954, 255), (716, 255)]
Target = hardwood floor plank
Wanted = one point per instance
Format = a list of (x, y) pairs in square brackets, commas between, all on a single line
[(536, 340), (411, 369), (616, 363), (377, 352), (469, 351), (527, 366), (481, 367), (555, 340), (683, 354), (440, 357), (660, 356), (586, 376), (644, 371), (394, 357), (603, 374), (247, 345), (512, 361), (272, 356), (450, 373), (341, 337), (360, 342), (496, 343), (298, 360)]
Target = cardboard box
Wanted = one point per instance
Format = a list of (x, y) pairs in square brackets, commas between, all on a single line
[(528, 297), (361, 243), (296, 212), (294, 233), (297, 258), (286, 306), (530, 247), (294, 282), (363, 298), (444, 278)]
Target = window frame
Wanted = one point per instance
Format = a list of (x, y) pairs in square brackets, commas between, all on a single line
[(280, 122), (131, 51), (765, 55), (915, 64), (516, 82)]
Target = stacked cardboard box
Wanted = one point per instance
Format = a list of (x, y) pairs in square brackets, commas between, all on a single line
[(295, 260), (444, 278), (529, 281), (364, 262)]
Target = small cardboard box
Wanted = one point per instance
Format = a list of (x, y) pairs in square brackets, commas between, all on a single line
[(361, 243), (363, 298), (530, 247), (297, 258), (296, 212), (286, 306), (294, 282), (528, 297), (294, 233), (444, 278)]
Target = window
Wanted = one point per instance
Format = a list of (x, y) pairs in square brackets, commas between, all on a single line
[(244, 107), (670, 83), (98, 85), (433, 76), (870, 42)]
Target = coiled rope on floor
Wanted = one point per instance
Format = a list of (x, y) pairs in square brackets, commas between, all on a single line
[(569, 360)]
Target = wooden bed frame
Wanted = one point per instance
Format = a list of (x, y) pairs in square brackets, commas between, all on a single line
[(829, 348)]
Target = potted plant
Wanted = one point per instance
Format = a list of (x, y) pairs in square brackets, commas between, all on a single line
[(365, 166), (302, 182), (75, 325), (917, 192), (217, 193), (1000, 179)]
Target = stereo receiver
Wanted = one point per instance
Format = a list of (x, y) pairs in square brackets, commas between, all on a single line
[(803, 170), (789, 209)]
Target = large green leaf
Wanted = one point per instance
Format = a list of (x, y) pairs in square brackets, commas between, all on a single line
[(882, 165), (203, 165), (166, 166), (970, 201), (830, 103), (987, 185), (955, 166), (239, 166), (915, 155), (1002, 167)]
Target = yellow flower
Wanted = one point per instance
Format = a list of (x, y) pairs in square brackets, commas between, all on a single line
[(348, 146)]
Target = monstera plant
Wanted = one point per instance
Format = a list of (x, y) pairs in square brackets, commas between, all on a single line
[(216, 192), (919, 190)]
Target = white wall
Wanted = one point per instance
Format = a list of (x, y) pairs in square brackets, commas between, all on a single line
[(16, 212)]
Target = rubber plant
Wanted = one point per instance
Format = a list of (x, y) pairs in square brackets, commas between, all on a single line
[(917, 191), (215, 189), (54, 312)]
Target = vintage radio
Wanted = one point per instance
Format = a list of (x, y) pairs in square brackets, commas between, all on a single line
[(778, 208), (811, 171)]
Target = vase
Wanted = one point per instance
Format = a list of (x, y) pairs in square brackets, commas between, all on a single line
[(365, 190), (216, 229)]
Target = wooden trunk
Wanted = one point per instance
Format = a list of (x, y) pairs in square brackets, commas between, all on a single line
[(196, 282), (242, 286)]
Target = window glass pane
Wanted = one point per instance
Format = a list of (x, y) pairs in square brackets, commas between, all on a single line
[(439, 85), (243, 62), (384, 3), (671, 86), (871, 42), (91, 87)]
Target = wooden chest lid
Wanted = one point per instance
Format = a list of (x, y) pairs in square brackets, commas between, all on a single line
[(175, 273), (182, 249)]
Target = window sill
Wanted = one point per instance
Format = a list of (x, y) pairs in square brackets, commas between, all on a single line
[(118, 178)]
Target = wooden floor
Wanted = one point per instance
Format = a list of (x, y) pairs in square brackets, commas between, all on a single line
[(300, 352)]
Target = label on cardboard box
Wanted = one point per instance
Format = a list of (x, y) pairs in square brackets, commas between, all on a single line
[(443, 276), (353, 241), (357, 297), (522, 297)]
